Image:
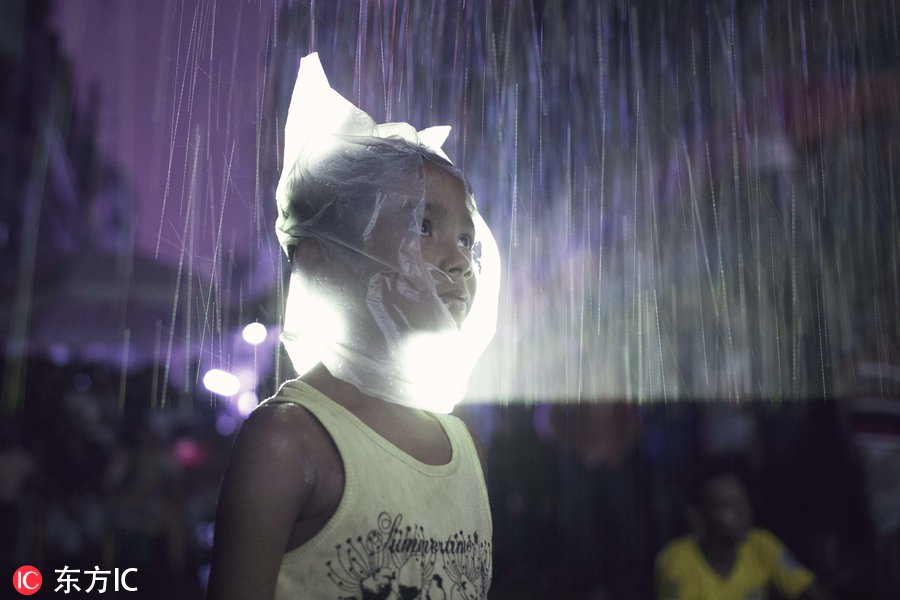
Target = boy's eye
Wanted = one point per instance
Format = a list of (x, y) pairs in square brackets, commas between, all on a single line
[(425, 227), (466, 241)]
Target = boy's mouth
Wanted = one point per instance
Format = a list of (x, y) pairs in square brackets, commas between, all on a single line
[(457, 302)]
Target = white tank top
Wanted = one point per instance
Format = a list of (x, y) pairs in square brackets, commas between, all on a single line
[(403, 529)]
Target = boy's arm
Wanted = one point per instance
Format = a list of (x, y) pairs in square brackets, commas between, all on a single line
[(270, 477)]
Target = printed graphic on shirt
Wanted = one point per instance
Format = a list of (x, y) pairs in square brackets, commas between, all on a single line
[(394, 561)]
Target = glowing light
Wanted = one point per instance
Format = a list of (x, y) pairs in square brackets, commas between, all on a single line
[(312, 324), (438, 368), (247, 378), (255, 333), (246, 403), (82, 382), (221, 382), (59, 354), (188, 452), (315, 111)]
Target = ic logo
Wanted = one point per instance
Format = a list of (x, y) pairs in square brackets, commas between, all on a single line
[(27, 580)]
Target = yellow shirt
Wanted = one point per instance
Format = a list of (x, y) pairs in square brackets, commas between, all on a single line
[(682, 572), (403, 528)]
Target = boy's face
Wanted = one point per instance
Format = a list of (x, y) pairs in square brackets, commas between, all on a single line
[(388, 278), (447, 240), (406, 262), (726, 509)]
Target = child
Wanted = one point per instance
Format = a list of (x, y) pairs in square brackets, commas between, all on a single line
[(727, 559), (348, 483)]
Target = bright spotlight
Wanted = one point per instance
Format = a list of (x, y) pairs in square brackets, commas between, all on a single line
[(438, 369), (312, 325), (221, 382), (255, 333)]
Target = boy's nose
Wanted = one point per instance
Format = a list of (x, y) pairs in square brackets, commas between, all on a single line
[(448, 257), (456, 261)]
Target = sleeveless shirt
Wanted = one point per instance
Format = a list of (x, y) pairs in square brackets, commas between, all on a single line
[(403, 529)]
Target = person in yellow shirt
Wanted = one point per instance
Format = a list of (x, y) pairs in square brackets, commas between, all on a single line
[(726, 558)]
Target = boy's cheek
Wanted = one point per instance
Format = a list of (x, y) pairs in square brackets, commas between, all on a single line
[(392, 246), (472, 288)]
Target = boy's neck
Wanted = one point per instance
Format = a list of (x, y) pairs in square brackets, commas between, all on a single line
[(338, 390), (412, 430), (344, 393)]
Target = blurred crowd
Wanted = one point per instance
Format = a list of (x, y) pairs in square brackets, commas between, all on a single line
[(583, 496), (94, 475)]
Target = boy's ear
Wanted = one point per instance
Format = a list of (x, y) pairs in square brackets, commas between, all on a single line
[(308, 254)]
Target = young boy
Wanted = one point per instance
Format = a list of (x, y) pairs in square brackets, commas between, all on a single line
[(348, 483), (727, 559)]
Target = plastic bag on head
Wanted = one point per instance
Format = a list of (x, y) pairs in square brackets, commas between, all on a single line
[(369, 307)]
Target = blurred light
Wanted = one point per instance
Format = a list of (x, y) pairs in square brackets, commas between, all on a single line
[(247, 378), (82, 382), (255, 333), (226, 425), (94, 352), (59, 354), (204, 533), (246, 403), (438, 367), (313, 326), (188, 452), (221, 382)]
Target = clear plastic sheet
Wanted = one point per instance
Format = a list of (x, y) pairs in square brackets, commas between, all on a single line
[(368, 305)]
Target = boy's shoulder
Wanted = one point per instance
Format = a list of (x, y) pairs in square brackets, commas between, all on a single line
[(294, 391), (295, 401), (282, 428)]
